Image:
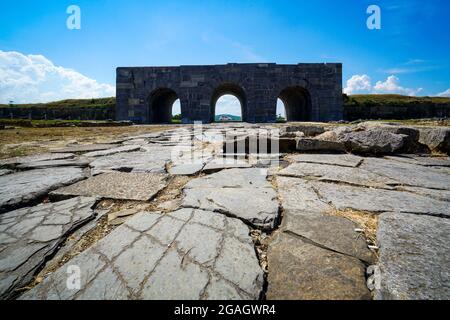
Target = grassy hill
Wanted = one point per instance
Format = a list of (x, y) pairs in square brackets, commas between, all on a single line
[(92, 103), (352, 100), (391, 99)]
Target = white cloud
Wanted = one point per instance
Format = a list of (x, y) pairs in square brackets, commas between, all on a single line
[(358, 83), (228, 104), (363, 84), (34, 78), (392, 85), (446, 93)]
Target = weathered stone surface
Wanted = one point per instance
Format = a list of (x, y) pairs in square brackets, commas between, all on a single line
[(107, 152), (335, 233), (323, 172), (311, 145), (5, 172), (377, 200), (232, 178), (53, 164), (411, 142), (423, 161), (257, 206), (82, 148), (186, 254), (116, 185), (186, 169), (35, 158), (443, 195), (373, 141), (414, 260), (344, 160), (30, 235), (218, 164), (21, 188), (243, 193), (297, 195), (309, 130), (437, 139), (408, 174), (302, 271), (133, 162)]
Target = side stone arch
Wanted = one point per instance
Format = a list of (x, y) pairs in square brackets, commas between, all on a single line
[(299, 99), (160, 103)]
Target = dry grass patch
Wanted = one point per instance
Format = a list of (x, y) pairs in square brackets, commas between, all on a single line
[(23, 141), (367, 221)]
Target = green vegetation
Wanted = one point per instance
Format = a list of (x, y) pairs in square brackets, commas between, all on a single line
[(88, 103), (59, 123), (281, 119), (232, 118), (176, 118), (391, 99)]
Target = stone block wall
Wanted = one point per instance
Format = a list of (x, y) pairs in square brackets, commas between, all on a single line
[(144, 93)]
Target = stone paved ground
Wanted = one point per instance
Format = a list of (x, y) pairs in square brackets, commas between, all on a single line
[(370, 222)]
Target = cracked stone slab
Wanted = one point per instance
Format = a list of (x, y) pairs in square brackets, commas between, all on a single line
[(232, 178), (36, 158), (377, 200), (133, 162), (53, 164), (334, 233), (241, 193), (414, 257), (423, 161), (324, 172), (21, 188), (116, 185), (186, 169), (4, 172), (107, 152), (83, 148), (30, 235), (442, 195), (219, 164), (408, 174), (344, 160), (303, 271), (187, 254), (297, 195)]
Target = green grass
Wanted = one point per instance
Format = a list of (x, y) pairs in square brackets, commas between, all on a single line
[(391, 99), (88, 103), (352, 100), (49, 123)]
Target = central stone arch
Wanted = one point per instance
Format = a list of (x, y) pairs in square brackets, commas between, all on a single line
[(160, 104), (232, 89), (297, 103)]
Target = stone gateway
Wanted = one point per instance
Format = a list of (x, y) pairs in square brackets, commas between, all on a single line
[(309, 91)]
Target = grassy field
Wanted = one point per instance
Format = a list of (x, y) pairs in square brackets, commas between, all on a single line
[(90, 103), (391, 99), (358, 99)]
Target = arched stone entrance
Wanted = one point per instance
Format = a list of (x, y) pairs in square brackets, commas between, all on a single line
[(160, 105), (297, 103), (229, 89)]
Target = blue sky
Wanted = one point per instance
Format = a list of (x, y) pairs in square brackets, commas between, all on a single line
[(410, 54)]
